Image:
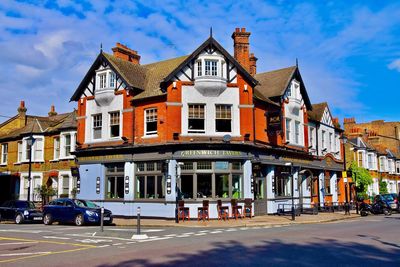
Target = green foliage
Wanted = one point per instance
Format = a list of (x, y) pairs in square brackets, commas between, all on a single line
[(45, 193), (383, 187), (362, 178)]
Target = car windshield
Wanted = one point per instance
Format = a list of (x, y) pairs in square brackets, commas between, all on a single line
[(85, 203), (25, 205), (387, 197)]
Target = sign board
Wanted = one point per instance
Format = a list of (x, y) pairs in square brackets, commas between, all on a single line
[(210, 154), (274, 120), (344, 174)]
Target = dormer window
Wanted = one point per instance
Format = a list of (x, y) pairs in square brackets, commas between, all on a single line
[(103, 80), (199, 68), (112, 79), (211, 67)]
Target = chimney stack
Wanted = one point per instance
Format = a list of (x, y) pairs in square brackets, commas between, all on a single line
[(123, 52), (22, 113), (253, 64), (52, 111), (241, 47)]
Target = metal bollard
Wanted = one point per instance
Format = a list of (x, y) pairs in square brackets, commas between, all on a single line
[(138, 221), (102, 219)]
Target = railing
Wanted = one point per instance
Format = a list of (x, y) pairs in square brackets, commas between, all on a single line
[(286, 209)]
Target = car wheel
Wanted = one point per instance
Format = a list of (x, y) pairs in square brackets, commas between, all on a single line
[(19, 218), (47, 219), (387, 212), (79, 220)]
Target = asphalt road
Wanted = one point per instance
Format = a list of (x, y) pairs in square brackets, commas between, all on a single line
[(370, 241)]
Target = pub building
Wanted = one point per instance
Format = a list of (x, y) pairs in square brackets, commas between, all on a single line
[(196, 127)]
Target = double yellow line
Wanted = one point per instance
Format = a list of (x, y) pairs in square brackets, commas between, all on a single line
[(81, 247)]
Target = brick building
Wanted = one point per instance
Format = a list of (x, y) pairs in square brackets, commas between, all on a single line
[(51, 159), (375, 146), (202, 126)]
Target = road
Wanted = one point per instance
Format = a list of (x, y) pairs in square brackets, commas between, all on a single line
[(369, 241)]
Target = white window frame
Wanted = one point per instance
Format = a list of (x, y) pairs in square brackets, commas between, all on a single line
[(197, 131), (112, 79), (312, 140), (20, 151), (323, 137), (152, 118), (4, 153), (38, 147), (99, 125), (64, 146), (228, 115), (110, 123), (370, 160), (297, 134), (288, 129), (102, 80), (211, 67), (57, 148), (382, 164)]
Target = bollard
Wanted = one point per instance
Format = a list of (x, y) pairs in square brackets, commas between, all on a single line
[(138, 221), (102, 219)]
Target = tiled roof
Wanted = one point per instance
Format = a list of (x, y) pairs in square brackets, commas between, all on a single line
[(145, 77), (317, 111), (273, 83), (41, 125)]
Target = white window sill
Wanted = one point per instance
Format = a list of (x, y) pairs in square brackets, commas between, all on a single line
[(66, 158), (149, 136), (33, 161), (213, 135), (3, 164)]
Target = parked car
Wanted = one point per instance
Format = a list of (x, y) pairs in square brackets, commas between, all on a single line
[(389, 199), (78, 211), (20, 211)]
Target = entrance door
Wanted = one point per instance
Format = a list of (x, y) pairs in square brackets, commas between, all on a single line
[(260, 196), (315, 190)]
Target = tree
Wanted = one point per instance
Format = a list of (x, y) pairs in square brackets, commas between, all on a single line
[(45, 193), (362, 178), (382, 187)]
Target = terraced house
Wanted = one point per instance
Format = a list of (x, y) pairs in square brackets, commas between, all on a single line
[(46, 161), (201, 126), (375, 146)]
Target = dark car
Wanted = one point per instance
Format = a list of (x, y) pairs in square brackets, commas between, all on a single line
[(20, 211), (78, 211), (389, 199)]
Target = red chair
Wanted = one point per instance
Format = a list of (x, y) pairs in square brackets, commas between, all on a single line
[(223, 211), (248, 207), (183, 212), (237, 210), (202, 212)]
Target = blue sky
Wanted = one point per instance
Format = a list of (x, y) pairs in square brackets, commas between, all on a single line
[(348, 51)]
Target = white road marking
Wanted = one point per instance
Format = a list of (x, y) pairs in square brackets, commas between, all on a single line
[(147, 240), (130, 242), (204, 231), (216, 232), (231, 230), (18, 243), (190, 233), (244, 228), (118, 244), (200, 234), (267, 227), (104, 237), (103, 246), (24, 231), (183, 236), (24, 254), (171, 235), (152, 237), (57, 237)]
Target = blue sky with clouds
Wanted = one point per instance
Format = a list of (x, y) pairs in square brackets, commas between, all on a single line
[(348, 51)]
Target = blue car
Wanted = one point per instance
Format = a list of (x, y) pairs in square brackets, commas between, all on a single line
[(78, 211), (20, 211)]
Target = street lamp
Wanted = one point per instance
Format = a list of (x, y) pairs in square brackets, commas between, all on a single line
[(344, 141), (30, 141), (292, 187)]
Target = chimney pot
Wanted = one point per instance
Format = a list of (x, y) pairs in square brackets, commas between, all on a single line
[(243, 29), (52, 111), (21, 108), (124, 52)]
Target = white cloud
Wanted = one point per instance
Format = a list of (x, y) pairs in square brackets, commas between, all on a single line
[(395, 65), (44, 52)]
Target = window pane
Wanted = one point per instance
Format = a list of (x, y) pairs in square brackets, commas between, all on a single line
[(140, 166), (140, 186), (204, 165), (150, 187), (114, 124), (236, 166), (56, 148), (151, 121), (187, 166), (187, 186), (97, 125), (196, 118), (150, 166), (204, 186), (67, 145), (199, 70), (237, 186), (160, 187), (222, 185), (287, 129)]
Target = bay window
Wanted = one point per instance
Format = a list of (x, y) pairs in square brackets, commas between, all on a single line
[(288, 130), (196, 119), (102, 80), (211, 67)]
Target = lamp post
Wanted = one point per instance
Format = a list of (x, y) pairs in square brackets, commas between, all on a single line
[(292, 188), (29, 141), (177, 166), (347, 207)]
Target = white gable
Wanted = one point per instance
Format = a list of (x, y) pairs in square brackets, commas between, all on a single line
[(326, 118)]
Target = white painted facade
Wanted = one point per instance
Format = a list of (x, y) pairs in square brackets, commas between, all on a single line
[(294, 116)]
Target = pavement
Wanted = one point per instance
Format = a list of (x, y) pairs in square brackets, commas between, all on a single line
[(265, 220)]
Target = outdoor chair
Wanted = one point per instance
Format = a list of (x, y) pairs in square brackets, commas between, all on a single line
[(202, 212), (237, 210), (183, 212), (223, 211), (248, 207)]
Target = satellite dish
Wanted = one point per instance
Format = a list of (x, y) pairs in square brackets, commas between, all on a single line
[(227, 138)]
